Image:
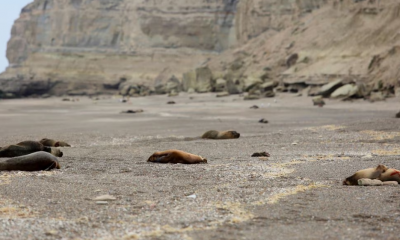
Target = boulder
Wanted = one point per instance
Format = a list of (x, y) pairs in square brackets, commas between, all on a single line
[(345, 91), (173, 84), (204, 81), (220, 85), (327, 89), (189, 81), (161, 80), (377, 96), (233, 87), (251, 83)]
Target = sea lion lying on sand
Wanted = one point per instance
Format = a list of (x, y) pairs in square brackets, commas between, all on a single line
[(390, 174), (176, 156), (53, 143), (37, 161), (371, 173), (213, 134), (25, 148)]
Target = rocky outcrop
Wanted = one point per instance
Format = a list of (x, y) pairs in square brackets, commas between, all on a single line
[(84, 45)]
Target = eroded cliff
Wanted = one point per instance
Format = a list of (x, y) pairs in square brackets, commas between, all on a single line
[(86, 46)]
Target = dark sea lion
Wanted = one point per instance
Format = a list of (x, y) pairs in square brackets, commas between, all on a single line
[(260, 154), (38, 161), (133, 111), (370, 173), (176, 156), (170, 102), (390, 174), (263, 120), (25, 148), (53, 143), (213, 134)]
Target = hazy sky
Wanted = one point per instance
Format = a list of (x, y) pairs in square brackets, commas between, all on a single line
[(9, 12)]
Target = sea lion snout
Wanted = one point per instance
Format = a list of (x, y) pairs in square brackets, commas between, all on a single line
[(56, 152), (235, 134)]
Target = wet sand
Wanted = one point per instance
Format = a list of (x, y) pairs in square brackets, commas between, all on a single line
[(294, 194)]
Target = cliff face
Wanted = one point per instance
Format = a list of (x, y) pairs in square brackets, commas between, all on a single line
[(66, 45)]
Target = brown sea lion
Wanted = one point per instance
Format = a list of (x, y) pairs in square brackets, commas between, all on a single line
[(176, 156), (25, 148), (53, 143), (38, 161), (390, 174), (370, 173), (213, 134)]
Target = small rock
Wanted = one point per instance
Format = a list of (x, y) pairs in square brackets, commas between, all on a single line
[(294, 143), (367, 156), (262, 120), (102, 203), (192, 196), (251, 97), (369, 182), (51, 233), (66, 100), (105, 198), (254, 107), (223, 94), (170, 102), (318, 101), (260, 154)]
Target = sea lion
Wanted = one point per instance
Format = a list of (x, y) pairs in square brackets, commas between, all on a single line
[(370, 173), (213, 134), (176, 156), (53, 143), (38, 161), (261, 154), (263, 120), (27, 147), (133, 111), (390, 174)]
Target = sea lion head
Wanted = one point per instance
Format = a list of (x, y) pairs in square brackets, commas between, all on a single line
[(56, 152), (381, 168), (234, 134), (203, 160)]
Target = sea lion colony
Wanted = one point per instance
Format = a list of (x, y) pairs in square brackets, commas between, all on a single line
[(41, 156)]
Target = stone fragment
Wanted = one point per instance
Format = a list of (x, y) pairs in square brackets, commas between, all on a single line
[(105, 198), (102, 203), (318, 101), (252, 97), (223, 94)]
